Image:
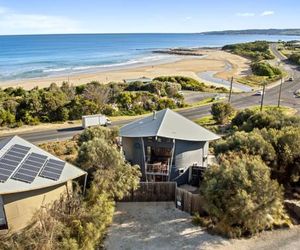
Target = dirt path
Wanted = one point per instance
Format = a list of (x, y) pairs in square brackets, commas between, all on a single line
[(159, 225)]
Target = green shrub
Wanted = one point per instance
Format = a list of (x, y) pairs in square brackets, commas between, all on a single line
[(221, 112), (241, 197), (247, 143), (187, 83), (265, 69), (257, 51), (274, 118), (295, 58)]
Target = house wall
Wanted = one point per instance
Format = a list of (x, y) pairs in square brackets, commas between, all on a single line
[(187, 154), (20, 207), (128, 148), (133, 151)]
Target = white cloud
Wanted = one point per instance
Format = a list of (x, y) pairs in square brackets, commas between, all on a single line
[(12, 22), (267, 13), (246, 14), (188, 18)]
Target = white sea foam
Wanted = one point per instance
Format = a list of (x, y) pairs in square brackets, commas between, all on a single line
[(55, 70), (146, 59)]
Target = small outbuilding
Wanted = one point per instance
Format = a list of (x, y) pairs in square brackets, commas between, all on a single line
[(30, 178), (141, 79), (167, 147)]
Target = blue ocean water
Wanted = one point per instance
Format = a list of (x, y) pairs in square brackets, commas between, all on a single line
[(32, 56)]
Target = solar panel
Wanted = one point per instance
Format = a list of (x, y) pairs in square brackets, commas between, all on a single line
[(30, 168), (52, 169), (11, 159)]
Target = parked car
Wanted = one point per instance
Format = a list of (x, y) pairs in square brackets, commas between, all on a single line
[(290, 79), (219, 97), (259, 93), (297, 93)]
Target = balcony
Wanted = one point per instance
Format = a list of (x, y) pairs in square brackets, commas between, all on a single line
[(157, 168)]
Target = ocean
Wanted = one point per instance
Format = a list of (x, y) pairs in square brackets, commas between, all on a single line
[(32, 56)]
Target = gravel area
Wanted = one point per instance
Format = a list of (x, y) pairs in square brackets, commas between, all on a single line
[(159, 225)]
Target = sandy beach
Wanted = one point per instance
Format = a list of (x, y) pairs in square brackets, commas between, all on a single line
[(212, 60)]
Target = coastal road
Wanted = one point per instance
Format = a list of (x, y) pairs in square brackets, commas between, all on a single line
[(239, 101)]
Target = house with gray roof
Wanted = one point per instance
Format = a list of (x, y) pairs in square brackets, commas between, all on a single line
[(30, 178), (167, 147)]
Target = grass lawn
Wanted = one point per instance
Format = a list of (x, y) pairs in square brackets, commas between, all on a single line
[(257, 81), (205, 121)]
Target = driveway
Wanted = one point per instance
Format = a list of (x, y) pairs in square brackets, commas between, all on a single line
[(155, 225), (159, 225)]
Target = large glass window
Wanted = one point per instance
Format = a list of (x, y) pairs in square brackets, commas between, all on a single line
[(3, 222)]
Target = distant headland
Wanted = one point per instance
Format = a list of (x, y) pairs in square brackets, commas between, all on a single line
[(281, 32)]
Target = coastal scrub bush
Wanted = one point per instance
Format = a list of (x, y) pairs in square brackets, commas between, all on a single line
[(108, 134), (241, 197), (257, 51), (247, 143), (270, 134), (186, 83), (265, 69), (287, 146), (248, 120), (221, 112), (294, 58), (66, 102)]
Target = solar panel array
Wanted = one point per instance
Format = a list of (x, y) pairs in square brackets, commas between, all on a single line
[(53, 169), (16, 165), (30, 168), (11, 160)]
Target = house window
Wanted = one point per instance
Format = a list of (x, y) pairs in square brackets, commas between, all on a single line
[(3, 222)]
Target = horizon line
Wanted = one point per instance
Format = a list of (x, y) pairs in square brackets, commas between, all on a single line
[(153, 33)]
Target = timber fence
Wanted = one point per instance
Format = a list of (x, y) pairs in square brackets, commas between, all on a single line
[(167, 191)]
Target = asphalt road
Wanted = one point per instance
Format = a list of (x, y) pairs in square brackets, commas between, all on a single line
[(239, 101)]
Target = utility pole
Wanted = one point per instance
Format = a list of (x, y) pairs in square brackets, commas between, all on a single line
[(280, 88), (262, 97), (230, 91)]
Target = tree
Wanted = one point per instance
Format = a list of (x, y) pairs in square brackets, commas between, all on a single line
[(108, 134), (241, 197), (98, 154), (287, 145), (96, 92), (248, 143), (69, 90), (221, 112)]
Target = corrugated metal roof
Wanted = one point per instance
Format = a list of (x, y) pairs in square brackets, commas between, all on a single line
[(14, 186), (169, 124)]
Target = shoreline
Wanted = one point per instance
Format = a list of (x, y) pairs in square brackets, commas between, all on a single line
[(208, 59)]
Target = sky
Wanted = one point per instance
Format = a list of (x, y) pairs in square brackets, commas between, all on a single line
[(144, 16)]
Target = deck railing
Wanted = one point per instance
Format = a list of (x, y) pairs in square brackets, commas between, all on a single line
[(157, 168)]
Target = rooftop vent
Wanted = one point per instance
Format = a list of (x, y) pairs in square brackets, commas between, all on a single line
[(154, 115)]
